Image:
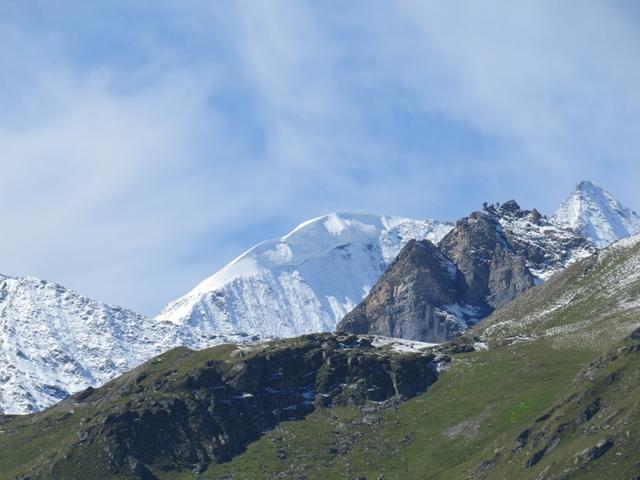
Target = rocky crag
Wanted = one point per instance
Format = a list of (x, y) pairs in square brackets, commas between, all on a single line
[(489, 258)]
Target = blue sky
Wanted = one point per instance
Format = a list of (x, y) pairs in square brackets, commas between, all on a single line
[(145, 144)]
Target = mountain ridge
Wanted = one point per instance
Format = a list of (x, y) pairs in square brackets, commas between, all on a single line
[(52, 366), (495, 251), (55, 342), (493, 404)]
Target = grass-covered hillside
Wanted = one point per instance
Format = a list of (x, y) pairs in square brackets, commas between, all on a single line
[(186, 410), (590, 306)]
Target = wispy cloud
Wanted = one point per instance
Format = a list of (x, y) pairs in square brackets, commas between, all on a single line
[(143, 146)]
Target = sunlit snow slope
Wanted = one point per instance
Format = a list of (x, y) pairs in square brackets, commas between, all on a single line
[(54, 341), (303, 282)]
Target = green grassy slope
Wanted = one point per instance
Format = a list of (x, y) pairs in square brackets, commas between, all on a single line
[(486, 396), (591, 305), (592, 431), (539, 345)]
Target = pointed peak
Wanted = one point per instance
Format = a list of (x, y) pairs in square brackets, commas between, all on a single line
[(589, 186), (597, 215), (415, 245)]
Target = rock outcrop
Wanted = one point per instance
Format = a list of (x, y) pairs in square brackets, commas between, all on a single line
[(494, 268), (489, 258), (411, 299)]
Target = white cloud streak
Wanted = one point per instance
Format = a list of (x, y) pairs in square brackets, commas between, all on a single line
[(130, 180)]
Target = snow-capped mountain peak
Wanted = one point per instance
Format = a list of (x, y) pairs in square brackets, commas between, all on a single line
[(596, 214), (303, 282)]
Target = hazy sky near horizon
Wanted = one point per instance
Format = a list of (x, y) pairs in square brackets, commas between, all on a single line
[(145, 144)]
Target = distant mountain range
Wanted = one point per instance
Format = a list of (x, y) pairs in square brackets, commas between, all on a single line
[(54, 342), (309, 279)]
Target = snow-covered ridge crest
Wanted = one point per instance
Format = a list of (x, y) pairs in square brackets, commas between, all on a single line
[(305, 281), (596, 214), (315, 238), (54, 341), (558, 246), (627, 242)]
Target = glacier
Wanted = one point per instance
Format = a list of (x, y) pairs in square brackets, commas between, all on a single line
[(303, 282)]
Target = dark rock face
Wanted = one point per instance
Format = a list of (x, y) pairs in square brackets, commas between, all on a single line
[(509, 277), (432, 293), (408, 301), (214, 411), (495, 271)]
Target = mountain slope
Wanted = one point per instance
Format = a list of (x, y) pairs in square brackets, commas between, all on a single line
[(591, 431), (596, 214), (592, 304), (303, 282), (488, 416), (54, 342)]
